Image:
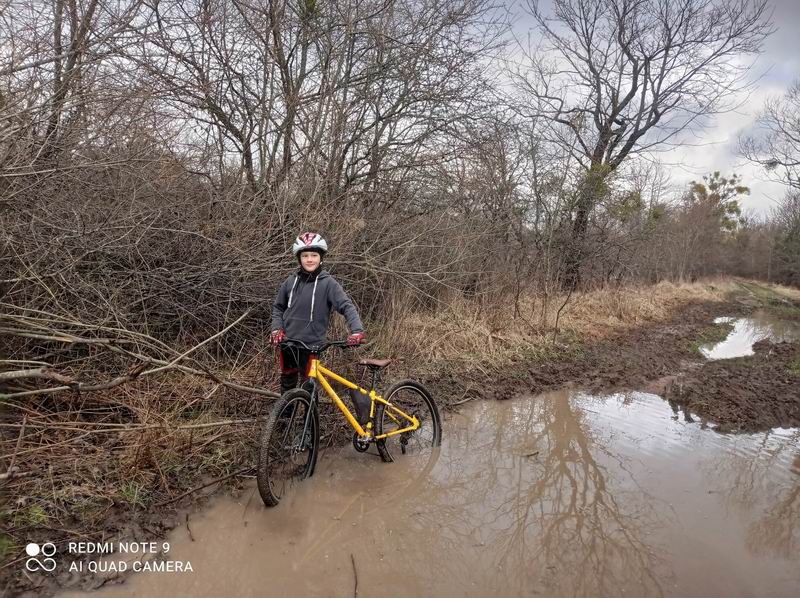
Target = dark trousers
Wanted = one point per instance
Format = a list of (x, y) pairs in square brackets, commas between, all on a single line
[(294, 363)]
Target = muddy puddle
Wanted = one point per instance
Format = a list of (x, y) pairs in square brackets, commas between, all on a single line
[(747, 332), (563, 494)]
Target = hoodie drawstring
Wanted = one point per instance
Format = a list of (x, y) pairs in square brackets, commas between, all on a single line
[(313, 296), (296, 278)]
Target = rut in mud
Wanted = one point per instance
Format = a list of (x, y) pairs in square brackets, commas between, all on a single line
[(565, 494), (752, 379)]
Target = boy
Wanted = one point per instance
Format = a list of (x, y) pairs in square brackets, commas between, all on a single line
[(303, 306)]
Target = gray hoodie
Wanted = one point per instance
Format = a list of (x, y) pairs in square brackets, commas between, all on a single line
[(303, 306)]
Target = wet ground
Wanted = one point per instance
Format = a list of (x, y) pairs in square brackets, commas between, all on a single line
[(751, 380), (748, 331), (563, 494)]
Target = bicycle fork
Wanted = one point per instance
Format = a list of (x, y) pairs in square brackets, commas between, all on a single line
[(298, 446)]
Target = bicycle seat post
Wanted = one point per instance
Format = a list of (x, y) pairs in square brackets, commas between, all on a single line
[(376, 375)]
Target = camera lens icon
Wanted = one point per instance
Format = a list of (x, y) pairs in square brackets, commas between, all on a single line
[(47, 550)]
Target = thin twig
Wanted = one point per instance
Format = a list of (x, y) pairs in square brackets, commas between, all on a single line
[(462, 401), (16, 449), (131, 429), (189, 529), (113, 427), (355, 575), (208, 340), (211, 483)]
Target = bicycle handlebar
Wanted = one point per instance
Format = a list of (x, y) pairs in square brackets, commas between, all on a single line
[(288, 342)]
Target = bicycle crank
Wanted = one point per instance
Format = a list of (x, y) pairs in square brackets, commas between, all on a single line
[(359, 443)]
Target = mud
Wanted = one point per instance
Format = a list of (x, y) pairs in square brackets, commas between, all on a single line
[(758, 392), (746, 332), (748, 394), (630, 361), (564, 494)]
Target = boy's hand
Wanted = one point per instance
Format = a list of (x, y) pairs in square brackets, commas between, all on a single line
[(276, 336), (357, 338)]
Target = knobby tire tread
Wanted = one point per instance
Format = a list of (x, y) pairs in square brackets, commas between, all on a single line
[(426, 396), (264, 465)]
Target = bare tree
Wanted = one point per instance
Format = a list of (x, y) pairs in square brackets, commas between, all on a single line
[(55, 72), (787, 250), (620, 77), (776, 143), (335, 95)]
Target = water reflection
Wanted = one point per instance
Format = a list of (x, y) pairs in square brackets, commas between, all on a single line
[(748, 331), (777, 532), (758, 474), (534, 496), (563, 494)]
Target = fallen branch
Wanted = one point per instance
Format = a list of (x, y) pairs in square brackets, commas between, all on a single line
[(115, 345), (135, 373), (12, 474), (43, 372)]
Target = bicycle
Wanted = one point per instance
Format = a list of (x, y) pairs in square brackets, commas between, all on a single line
[(405, 423)]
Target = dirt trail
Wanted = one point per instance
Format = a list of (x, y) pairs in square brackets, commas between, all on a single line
[(749, 393), (662, 358), (565, 494), (753, 393)]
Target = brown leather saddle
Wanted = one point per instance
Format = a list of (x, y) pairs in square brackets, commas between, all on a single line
[(375, 364)]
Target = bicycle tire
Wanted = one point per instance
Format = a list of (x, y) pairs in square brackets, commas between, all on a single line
[(282, 441), (412, 398)]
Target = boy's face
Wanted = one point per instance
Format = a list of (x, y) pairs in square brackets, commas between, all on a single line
[(310, 260)]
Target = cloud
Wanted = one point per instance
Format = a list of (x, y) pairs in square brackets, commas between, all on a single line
[(773, 72), (716, 149), (715, 146)]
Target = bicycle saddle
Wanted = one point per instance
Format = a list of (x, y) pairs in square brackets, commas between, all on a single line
[(375, 363)]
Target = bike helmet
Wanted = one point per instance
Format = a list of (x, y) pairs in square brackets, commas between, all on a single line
[(309, 242)]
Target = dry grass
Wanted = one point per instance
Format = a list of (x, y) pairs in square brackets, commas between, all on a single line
[(462, 335), (789, 292), (600, 313)]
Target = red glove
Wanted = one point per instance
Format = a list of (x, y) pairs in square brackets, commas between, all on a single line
[(357, 338), (276, 336)]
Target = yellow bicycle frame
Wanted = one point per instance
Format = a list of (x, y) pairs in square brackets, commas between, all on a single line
[(319, 373)]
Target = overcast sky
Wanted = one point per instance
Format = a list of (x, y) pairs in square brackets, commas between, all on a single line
[(774, 71)]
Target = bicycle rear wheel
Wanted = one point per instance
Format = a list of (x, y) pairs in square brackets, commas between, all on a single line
[(289, 444), (418, 445)]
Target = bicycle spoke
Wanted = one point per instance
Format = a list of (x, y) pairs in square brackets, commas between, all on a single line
[(413, 400), (288, 446)]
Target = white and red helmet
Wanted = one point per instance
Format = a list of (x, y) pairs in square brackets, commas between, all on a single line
[(309, 242)]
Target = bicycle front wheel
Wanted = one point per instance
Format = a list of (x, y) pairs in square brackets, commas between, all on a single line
[(413, 399), (289, 444)]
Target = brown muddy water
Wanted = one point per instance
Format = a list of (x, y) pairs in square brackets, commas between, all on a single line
[(747, 332), (563, 494)]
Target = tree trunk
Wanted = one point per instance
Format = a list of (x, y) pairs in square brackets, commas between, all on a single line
[(592, 189)]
